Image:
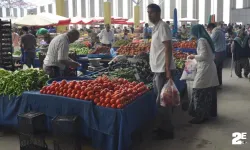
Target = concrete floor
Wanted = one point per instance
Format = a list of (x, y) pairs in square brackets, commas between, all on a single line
[(233, 109)]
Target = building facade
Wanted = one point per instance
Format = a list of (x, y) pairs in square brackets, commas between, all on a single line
[(224, 10)]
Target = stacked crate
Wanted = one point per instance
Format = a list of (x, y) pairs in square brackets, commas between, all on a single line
[(6, 50), (32, 130)]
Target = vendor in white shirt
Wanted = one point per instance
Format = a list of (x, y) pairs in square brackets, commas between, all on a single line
[(106, 36)]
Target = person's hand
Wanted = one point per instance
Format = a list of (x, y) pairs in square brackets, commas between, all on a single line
[(191, 56), (168, 74)]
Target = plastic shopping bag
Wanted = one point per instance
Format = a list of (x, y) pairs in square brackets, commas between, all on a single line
[(170, 96), (190, 70)]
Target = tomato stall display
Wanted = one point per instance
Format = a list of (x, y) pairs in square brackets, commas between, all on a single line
[(101, 50), (113, 93), (185, 44), (134, 49)]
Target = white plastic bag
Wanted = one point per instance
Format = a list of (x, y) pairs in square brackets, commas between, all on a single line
[(170, 96), (190, 70)]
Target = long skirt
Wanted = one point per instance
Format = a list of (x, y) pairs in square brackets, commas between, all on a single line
[(203, 103)]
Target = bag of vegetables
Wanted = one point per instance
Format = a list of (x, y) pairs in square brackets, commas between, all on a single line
[(170, 96)]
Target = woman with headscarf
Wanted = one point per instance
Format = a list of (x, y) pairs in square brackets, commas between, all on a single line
[(204, 98), (241, 52)]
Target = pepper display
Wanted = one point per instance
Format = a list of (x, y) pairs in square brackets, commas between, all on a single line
[(15, 83)]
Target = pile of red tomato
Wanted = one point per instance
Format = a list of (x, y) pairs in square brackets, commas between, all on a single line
[(102, 91)]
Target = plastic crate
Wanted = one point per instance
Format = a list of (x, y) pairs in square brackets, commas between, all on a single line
[(32, 123), (68, 127), (31, 142)]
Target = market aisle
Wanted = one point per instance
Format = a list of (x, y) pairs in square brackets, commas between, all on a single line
[(234, 109)]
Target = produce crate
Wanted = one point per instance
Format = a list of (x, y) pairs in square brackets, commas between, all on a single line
[(66, 131), (103, 56), (32, 123), (6, 49), (31, 142)]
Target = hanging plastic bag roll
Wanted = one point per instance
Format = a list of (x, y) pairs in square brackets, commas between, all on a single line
[(170, 96)]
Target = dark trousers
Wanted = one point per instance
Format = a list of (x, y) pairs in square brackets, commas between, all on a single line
[(219, 59), (240, 64), (52, 71), (213, 112), (29, 58)]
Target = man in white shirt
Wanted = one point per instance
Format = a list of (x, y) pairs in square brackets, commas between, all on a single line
[(106, 36), (162, 64), (57, 56)]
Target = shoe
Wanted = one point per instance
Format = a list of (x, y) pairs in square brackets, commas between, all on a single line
[(163, 135)]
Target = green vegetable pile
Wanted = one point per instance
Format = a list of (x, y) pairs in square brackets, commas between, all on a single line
[(126, 73), (77, 45), (80, 51), (80, 48), (15, 83), (121, 43)]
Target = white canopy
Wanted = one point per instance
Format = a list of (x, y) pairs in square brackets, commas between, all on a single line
[(188, 20), (42, 19)]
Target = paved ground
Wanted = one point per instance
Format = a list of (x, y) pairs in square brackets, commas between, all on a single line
[(233, 109)]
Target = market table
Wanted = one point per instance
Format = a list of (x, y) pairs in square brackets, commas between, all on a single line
[(110, 129), (10, 107)]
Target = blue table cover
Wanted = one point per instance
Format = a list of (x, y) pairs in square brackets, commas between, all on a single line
[(186, 50), (110, 129), (10, 107)]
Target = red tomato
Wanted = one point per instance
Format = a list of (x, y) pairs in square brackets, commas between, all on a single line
[(92, 97), (107, 101), (69, 91), (113, 105), (98, 104), (113, 101), (82, 97), (68, 95), (108, 105), (65, 94), (118, 101), (41, 91), (102, 100), (64, 82), (90, 93), (120, 106), (83, 93), (77, 96), (108, 95), (86, 98), (72, 95), (96, 100), (77, 87), (54, 82)]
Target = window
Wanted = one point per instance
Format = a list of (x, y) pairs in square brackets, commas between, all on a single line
[(226, 11), (239, 4)]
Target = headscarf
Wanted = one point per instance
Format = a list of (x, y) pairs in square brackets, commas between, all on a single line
[(42, 31), (199, 32), (242, 38)]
